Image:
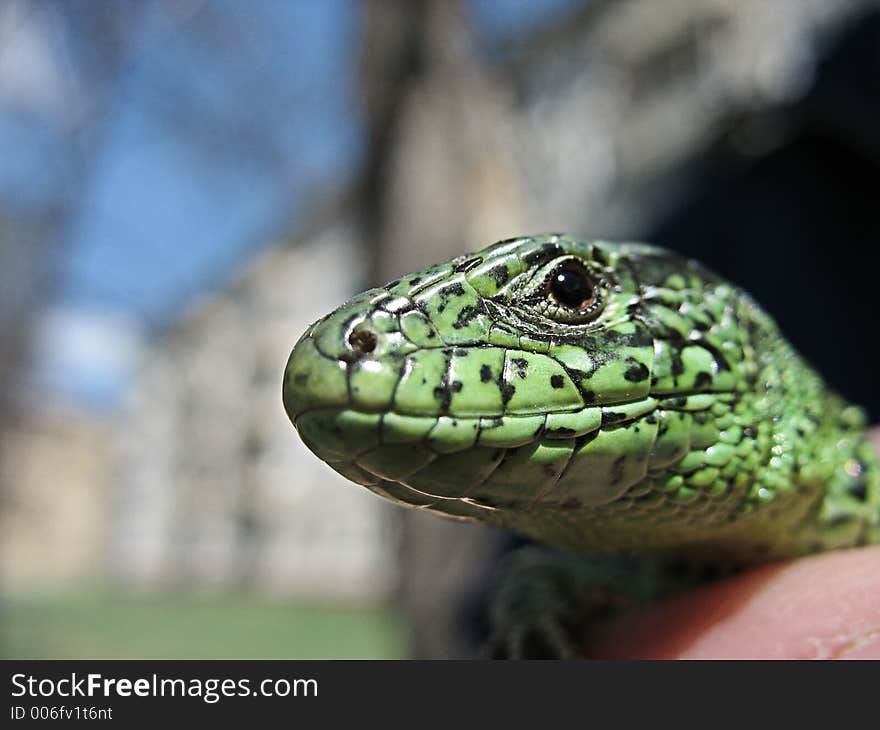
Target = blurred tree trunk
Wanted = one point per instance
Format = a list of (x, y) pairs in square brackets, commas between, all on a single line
[(439, 182)]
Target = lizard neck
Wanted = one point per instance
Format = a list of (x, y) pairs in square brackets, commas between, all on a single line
[(817, 444)]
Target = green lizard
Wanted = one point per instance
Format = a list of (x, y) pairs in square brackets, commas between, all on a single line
[(600, 398)]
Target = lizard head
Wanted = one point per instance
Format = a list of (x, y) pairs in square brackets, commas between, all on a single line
[(541, 383)]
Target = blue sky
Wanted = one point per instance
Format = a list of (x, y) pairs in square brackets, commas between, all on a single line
[(161, 215), (160, 225)]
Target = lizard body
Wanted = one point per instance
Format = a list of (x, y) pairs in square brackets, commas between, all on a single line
[(597, 397)]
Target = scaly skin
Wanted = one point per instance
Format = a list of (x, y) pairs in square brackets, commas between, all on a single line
[(669, 416)]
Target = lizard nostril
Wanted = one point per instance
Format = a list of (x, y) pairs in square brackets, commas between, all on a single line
[(363, 341)]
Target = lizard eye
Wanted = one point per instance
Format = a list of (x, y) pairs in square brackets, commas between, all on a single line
[(572, 294), (567, 291), (571, 287)]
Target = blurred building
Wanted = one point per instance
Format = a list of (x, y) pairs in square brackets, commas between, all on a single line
[(54, 509), (213, 488)]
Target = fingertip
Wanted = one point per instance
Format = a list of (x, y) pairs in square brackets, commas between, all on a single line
[(824, 606)]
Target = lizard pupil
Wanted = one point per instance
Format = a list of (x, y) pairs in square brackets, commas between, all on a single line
[(571, 288)]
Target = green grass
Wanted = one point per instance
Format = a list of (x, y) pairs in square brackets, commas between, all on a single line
[(107, 626)]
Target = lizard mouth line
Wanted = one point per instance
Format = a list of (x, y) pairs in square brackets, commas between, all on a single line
[(343, 435), (664, 399)]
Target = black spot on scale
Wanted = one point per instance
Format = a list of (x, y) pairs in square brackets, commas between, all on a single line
[(544, 253), (640, 338), (571, 503), (612, 418), (501, 274), (415, 280), (466, 316), (637, 372), (391, 284), (677, 364), (521, 365), (557, 381), (443, 393), (599, 256), (561, 431), (507, 391), (702, 379), (578, 376), (485, 373), (453, 290), (300, 378), (460, 352)]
